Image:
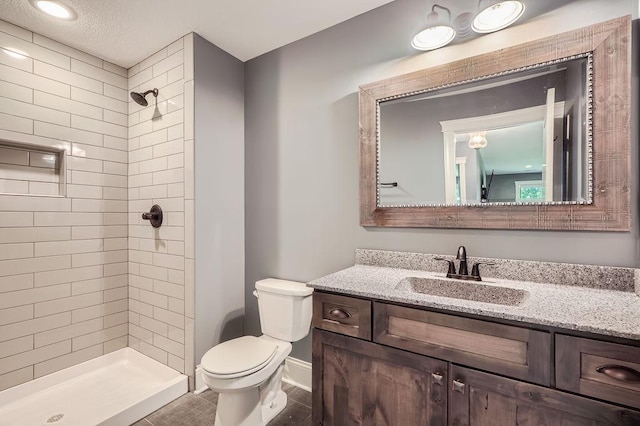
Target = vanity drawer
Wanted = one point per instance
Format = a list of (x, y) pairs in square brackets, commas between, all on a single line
[(603, 370), (511, 351), (342, 314)]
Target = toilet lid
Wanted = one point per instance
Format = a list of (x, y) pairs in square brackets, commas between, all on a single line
[(238, 357)]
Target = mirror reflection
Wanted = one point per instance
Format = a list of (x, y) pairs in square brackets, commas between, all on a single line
[(521, 137)]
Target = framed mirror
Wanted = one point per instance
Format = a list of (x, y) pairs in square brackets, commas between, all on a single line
[(535, 136)]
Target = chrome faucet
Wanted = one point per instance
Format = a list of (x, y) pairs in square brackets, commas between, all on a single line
[(463, 270)]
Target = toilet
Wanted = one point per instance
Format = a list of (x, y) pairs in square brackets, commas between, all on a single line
[(247, 371)]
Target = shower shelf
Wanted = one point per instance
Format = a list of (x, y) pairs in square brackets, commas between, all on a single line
[(35, 170)]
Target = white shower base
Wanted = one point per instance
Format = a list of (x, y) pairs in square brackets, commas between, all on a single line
[(112, 390)]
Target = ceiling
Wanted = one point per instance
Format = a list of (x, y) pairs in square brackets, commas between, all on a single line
[(511, 149), (125, 32)]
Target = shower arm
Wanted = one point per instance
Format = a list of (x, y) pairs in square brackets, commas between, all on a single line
[(154, 91)]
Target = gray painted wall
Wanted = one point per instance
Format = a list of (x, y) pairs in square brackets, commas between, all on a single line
[(301, 151), (219, 196), (503, 187)]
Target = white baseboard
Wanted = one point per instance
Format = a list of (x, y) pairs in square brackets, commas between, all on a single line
[(296, 373), (200, 386)]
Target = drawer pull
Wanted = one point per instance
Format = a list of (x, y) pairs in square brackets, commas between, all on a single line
[(340, 313), (458, 386), (437, 378), (619, 372)]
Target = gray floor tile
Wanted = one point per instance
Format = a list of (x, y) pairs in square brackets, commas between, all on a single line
[(188, 410), (299, 395), (295, 414), (200, 410), (210, 396)]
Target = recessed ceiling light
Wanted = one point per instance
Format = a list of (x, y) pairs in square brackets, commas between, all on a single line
[(497, 15), (15, 53), (54, 8)]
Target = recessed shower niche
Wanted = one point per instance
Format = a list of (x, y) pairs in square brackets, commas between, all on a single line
[(32, 170)]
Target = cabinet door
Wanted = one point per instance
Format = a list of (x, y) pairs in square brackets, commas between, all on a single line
[(362, 383), (483, 399)]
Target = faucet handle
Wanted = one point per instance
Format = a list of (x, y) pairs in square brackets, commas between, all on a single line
[(475, 270), (452, 266)]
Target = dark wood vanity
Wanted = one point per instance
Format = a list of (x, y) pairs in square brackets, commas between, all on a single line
[(381, 363)]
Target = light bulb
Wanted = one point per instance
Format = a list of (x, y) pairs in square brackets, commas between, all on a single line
[(498, 16), (433, 38)]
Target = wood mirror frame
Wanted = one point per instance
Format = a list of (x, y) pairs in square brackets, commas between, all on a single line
[(610, 43)]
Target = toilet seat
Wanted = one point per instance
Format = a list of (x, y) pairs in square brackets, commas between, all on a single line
[(238, 357)]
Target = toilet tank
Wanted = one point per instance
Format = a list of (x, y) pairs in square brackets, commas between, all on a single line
[(285, 308)]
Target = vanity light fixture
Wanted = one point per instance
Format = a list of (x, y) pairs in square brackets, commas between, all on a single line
[(54, 8), (495, 15), (477, 140), (438, 33), (492, 15)]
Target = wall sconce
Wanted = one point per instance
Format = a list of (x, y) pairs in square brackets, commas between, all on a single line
[(492, 15), (477, 140), (438, 33), (495, 15)]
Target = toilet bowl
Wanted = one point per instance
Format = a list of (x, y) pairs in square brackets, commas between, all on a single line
[(247, 371)]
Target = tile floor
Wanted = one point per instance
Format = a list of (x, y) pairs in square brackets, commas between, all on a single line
[(200, 410)]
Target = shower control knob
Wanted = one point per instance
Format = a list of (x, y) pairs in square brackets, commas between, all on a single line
[(154, 216)]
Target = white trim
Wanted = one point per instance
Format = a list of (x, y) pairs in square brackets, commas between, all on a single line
[(461, 162), (450, 167), (297, 373), (501, 120), (200, 386), (548, 145)]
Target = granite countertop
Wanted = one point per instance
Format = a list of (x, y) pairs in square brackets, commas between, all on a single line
[(601, 300)]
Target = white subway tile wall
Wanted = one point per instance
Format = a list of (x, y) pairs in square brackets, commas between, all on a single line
[(156, 172), (64, 260)]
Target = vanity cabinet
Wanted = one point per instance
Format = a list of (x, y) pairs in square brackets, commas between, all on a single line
[(363, 383), (512, 351), (377, 363), (603, 370), (477, 398)]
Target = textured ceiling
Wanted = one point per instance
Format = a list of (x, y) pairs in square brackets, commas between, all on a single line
[(126, 31)]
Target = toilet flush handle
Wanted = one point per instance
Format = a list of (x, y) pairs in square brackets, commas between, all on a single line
[(255, 293)]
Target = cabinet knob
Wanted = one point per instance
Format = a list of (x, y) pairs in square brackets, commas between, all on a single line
[(620, 372), (437, 378), (339, 313), (458, 386)]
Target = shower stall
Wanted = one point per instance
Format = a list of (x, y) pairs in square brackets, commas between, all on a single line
[(99, 319)]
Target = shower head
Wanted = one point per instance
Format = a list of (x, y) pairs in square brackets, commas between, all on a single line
[(140, 97)]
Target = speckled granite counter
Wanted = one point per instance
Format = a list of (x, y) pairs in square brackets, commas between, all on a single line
[(576, 297)]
